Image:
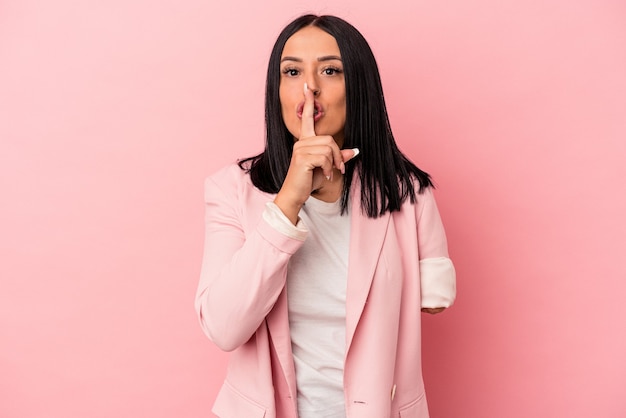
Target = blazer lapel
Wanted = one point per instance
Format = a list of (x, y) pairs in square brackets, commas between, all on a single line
[(367, 236)]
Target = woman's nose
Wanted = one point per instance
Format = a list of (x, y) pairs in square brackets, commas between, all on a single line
[(313, 86)]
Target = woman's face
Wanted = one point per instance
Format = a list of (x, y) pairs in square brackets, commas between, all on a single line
[(312, 56)]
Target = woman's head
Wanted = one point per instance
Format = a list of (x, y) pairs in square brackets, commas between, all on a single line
[(355, 75), (311, 57)]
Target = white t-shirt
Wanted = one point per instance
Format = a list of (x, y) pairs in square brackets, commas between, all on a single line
[(316, 289)]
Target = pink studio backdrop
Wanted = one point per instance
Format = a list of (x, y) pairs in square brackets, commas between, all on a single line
[(112, 113)]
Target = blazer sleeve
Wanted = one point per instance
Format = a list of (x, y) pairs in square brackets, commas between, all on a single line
[(437, 274), (242, 273)]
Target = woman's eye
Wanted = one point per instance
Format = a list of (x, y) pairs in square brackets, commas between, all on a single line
[(292, 72), (331, 71)]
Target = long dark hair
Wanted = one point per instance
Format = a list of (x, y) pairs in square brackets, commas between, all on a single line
[(386, 175)]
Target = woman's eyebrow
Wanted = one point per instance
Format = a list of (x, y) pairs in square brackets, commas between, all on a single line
[(329, 58), (323, 58)]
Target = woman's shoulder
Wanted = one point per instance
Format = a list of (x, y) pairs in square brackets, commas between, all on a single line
[(424, 197), (229, 174), (230, 180)]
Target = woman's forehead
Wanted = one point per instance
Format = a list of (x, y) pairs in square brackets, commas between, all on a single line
[(309, 42)]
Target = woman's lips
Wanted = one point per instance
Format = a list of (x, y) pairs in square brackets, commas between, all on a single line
[(318, 113)]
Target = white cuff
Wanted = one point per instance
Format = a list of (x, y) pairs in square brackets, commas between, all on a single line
[(438, 282), (277, 220)]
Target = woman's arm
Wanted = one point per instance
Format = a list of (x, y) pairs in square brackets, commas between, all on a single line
[(437, 274), (242, 276)]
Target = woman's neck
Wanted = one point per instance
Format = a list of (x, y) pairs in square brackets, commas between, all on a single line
[(330, 190)]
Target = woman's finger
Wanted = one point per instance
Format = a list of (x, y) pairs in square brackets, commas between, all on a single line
[(307, 127), (315, 156), (347, 155)]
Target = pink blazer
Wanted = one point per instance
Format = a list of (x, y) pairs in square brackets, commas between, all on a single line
[(398, 263)]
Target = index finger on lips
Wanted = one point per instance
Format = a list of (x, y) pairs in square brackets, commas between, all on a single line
[(307, 127)]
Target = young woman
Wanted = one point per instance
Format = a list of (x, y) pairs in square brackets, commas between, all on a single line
[(321, 251)]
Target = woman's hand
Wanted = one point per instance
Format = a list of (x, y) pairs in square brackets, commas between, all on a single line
[(433, 311), (314, 158)]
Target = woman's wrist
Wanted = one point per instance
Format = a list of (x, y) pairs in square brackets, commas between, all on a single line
[(289, 207)]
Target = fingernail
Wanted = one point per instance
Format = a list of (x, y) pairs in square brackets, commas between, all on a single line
[(342, 168), (305, 88), (328, 178), (356, 152)]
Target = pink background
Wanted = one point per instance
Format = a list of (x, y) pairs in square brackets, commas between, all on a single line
[(112, 113)]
